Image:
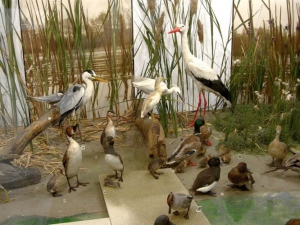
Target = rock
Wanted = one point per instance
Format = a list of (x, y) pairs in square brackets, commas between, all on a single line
[(12, 177)]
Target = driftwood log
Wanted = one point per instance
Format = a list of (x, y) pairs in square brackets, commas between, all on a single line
[(19, 143), (154, 135)]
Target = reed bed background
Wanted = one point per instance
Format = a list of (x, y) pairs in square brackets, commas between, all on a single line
[(60, 41)]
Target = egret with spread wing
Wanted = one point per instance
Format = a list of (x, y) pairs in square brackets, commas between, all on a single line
[(147, 85)]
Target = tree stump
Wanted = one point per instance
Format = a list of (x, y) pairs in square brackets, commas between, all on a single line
[(19, 143), (154, 135)]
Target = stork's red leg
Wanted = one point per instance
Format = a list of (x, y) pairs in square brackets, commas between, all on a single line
[(205, 103), (197, 110)]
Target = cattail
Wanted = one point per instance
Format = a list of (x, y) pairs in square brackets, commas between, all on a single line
[(159, 27), (193, 6), (151, 6), (176, 2), (200, 30)]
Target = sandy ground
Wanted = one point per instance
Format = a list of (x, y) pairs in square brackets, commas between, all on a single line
[(35, 200)]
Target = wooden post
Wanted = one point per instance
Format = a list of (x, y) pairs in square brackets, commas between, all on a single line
[(19, 143), (155, 136)]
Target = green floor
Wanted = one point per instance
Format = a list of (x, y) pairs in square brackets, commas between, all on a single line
[(269, 208), (38, 220)]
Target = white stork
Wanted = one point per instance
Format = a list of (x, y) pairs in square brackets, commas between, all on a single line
[(202, 74)]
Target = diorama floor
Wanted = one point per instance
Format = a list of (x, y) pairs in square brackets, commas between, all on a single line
[(273, 199)]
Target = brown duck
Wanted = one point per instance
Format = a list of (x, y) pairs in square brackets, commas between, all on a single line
[(109, 129), (239, 176), (277, 149)]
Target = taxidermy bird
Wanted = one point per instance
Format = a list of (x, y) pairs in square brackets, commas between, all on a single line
[(180, 168), (179, 202), (110, 183), (205, 130), (49, 99), (292, 163), (109, 129), (77, 96), (163, 220), (54, 182), (152, 99), (224, 150), (293, 222), (226, 158), (204, 160), (208, 178), (277, 149), (202, 74), (155, 165), (72, 158), (113, 159), (147, 85), (174, 162), (239, 176)]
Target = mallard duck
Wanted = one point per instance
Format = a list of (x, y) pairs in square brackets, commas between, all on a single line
[(113, 159), (72, 158), (54, 182), (277, 149), (205, 130), (179, 201), (109, 129), (152, 99), (154, 165), (208, 178), (239, 176), (163, 220), (175, 160)]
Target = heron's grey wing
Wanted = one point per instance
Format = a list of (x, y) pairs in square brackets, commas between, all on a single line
[(50, 99), (70, 100)]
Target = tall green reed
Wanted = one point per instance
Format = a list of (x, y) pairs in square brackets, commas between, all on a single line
[(13, 108)]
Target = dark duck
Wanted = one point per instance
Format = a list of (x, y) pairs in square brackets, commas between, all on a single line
[(208, 178)]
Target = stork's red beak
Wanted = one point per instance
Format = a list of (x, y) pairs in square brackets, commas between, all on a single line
[(177, 29)]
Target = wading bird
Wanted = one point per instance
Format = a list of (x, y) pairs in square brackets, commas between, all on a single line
[(78, 95), (202, 74), (152, 99), (147, 85), (49, 99)]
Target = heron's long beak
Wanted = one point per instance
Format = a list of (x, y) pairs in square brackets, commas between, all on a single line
[(100, 79), (177, 29)]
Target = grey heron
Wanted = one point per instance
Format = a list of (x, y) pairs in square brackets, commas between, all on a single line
[(78, 95)]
